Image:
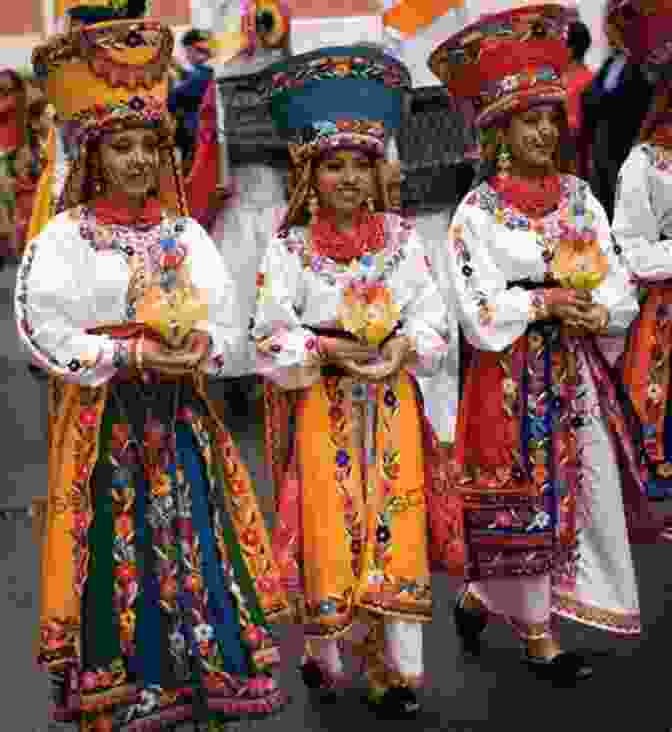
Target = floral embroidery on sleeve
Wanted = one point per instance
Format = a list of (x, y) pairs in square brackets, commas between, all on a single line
[(486, 310)]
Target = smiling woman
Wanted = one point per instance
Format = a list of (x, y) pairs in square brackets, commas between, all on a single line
[(129, 162), (549, 480), (158, 582), (348, 323)]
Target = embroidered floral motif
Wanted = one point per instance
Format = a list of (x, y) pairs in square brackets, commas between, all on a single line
[(337, 67), (374, 267), (338, 420), (486, 309), (517, 82)]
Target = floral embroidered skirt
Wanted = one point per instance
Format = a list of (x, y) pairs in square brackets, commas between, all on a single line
[(646, 375), (550, 474), (171, 625), (351, 535)]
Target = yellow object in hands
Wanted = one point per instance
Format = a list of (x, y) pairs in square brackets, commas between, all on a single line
[(369, 313), (173, 316), (582, 280)]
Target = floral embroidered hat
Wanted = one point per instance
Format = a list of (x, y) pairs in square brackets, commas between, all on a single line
[(335, 98), (100, 11), (507, 62), (102, 74), (106, 77), (642, 28)]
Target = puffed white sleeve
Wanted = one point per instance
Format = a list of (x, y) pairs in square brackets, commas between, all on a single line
[(424, 317), (492, 316), (441, 390), (636, 226), (55, 304), (230, 351), (286, 350), (618, 292)]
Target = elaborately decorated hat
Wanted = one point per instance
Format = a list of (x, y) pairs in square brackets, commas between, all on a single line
[(642, 28), (507, 62), (101, 11), (334, 98), (107, 73)]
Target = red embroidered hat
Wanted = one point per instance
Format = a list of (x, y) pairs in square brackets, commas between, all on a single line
[(507, 62), (643, 28)]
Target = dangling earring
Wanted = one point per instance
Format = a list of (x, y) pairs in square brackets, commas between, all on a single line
[(371, 204), (313, 202), (503, 160)]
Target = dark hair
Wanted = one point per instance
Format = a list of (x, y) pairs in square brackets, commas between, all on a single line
[(194, 36), (579, 40)]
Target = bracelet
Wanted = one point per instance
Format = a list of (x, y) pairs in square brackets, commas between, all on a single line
[(320, 350), (606, 317), (137, 352), (539, 306)]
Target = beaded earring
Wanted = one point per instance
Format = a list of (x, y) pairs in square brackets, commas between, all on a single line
[(371, 204), (504, 159)]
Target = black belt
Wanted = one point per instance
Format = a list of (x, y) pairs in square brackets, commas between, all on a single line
[(528, 284), (337, 333)]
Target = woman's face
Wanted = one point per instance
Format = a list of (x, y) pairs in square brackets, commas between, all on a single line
[(344, 181), (533, 137), (130, 162)]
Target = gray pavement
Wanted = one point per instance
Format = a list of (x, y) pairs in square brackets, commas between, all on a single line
[(495, 693)]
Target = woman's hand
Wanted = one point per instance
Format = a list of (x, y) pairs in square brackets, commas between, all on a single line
[(394, 353), (593, 319), (338, 350), (566, 304), (149, 354)]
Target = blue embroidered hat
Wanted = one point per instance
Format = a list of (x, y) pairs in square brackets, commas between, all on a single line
[(341, 97)]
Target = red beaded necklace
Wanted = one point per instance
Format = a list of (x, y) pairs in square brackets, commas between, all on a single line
[(533, 197), (366, 235)]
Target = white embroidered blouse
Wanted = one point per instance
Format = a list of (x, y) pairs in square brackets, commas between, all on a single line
[(76, 274), (491, 245), (642, 224), (299, 290)]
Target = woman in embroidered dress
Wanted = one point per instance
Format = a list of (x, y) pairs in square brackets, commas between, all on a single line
[(347, 315), (157, 576), (547, 459), (641, 231)]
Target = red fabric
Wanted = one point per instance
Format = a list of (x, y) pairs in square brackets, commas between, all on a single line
[(366, 235), (500, 58), (644, 34), (203, 178), (114, 209), (534, 197), (25, 194), (445, 507), (10, 134), (575, 83)]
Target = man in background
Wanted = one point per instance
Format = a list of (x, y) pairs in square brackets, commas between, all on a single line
[(611, 112), (187, 94)]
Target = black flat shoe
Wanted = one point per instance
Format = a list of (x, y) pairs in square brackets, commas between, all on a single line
[(399, 702), (317, 680), (469, 625), (565, 669)]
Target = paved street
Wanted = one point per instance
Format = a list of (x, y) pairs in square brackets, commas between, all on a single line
[(492, 694)]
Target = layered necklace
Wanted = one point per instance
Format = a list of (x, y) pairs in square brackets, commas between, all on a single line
[(534, 197), (366, 236)]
